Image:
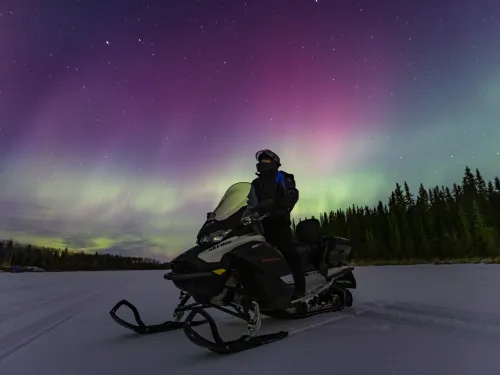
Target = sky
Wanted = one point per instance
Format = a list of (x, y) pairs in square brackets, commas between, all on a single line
[(123, 123)]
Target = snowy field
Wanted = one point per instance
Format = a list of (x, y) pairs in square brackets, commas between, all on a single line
[(442, 320)]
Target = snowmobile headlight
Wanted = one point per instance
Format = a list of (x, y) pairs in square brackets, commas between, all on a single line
[(218, 236), (215, 236)]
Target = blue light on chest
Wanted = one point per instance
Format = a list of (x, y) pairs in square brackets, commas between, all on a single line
[(280, 179)]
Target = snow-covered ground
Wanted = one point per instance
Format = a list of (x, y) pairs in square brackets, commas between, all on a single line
[(442, 320)]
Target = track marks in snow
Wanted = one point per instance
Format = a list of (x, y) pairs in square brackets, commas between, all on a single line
[(24, 336), (18, 329), (435, 317), (320, 323), (39, 303)]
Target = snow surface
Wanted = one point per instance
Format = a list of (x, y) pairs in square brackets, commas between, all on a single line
[(442, 320)]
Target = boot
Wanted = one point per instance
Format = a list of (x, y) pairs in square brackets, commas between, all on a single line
[(300, 286)]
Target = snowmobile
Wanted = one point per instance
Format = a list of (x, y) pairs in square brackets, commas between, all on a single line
[(233, 269)]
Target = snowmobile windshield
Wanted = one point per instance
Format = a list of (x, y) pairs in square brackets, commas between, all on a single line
[(235, 198)]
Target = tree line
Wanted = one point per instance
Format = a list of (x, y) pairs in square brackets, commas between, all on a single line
[(461, 222), (14, 254)]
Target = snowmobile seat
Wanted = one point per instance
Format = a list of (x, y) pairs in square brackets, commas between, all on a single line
[(308, 231)]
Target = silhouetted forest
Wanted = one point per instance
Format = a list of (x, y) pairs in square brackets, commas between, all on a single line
[(460, 223), (13, 254), (440, 223)]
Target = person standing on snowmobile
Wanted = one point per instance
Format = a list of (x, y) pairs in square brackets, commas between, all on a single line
[(274, 192)]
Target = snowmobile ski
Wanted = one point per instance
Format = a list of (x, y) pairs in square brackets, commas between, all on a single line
[(141, 328), (248, 341)]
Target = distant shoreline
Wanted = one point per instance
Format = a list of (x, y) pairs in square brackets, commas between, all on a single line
[(358, 263)]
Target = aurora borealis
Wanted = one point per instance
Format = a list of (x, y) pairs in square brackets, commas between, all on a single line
[(123, 123)]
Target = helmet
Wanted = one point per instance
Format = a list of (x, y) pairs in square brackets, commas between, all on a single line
[(259, 155)]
